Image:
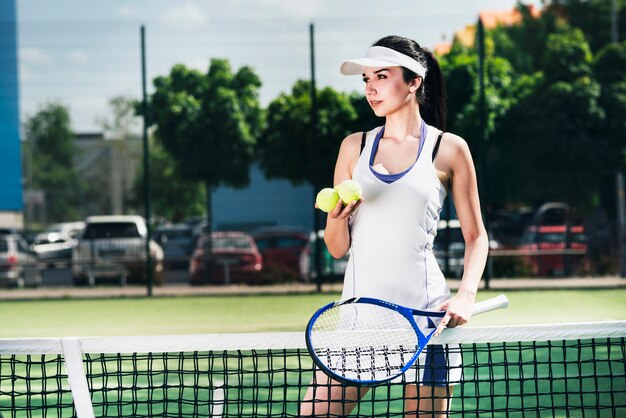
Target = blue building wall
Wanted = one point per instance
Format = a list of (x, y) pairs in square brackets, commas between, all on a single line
[(10, 156), (263, 203)]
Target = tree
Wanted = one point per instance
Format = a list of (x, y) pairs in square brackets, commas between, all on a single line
[(366, 119), (125, 122), (287, 147), (593, 17), (523, 44), (502, 88), (553, 130), (208, 123), (609, 70), (50, 143), (172, 197)]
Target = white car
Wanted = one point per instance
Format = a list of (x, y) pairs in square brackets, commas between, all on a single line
[(54, 245), (18, 264), (113, 248)]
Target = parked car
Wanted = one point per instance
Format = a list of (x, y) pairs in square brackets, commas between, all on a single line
[(54, 245), (331, 267), (451, 230), (178, 242), (234, 258), (114, 248), (559, 259), (455, 249), (18, 263), (285, 253)]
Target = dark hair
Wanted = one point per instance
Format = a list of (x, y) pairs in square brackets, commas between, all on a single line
[(431, 94)]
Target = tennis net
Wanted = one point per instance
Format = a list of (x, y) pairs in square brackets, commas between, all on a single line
[(541, 370)]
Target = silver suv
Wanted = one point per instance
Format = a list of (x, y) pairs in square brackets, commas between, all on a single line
[(18, 264), (113, 249)]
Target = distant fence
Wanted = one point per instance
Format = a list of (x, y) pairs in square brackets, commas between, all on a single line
[(83, 66)]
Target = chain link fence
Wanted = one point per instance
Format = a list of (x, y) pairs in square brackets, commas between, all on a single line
[(82, 167)]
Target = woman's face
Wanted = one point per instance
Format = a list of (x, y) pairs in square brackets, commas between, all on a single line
[(386, 91)]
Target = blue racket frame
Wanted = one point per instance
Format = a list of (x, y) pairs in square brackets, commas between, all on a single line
[(408, 313)]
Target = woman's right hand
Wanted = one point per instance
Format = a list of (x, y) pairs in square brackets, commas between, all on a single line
[(342, 212)]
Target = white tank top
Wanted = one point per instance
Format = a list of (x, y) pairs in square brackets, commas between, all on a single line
[(392, 231)]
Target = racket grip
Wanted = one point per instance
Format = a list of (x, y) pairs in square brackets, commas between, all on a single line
[(499, 302)]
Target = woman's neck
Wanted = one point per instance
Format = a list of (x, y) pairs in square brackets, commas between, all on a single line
[(403, 124)]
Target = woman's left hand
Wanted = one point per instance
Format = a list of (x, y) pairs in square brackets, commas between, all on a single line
[(458, 312)]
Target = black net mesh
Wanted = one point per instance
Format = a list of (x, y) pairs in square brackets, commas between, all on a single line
[(541, 378)]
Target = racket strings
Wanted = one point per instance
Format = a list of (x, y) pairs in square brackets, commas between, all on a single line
[(364, 342)]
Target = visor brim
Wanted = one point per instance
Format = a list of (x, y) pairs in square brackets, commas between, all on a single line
[(355, 66)]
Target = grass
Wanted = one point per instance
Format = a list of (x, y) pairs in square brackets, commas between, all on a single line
[(188, 315)]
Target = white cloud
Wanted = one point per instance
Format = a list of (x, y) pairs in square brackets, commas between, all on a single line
[(34, 56), (292, 8), (126, 11), (26, 74), (186, 16), (78, 57)]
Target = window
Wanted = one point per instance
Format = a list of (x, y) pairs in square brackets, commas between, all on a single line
[(111, 230)]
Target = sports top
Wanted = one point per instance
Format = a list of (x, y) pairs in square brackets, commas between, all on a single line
[(392, 231)]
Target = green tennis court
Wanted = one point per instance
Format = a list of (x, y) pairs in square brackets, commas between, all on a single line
[(218, 314), (566, 377)]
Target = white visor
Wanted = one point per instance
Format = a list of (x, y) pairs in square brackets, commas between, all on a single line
[(380, 56)]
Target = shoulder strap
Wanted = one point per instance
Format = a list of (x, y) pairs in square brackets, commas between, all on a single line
[(362, 142), (436, 147)]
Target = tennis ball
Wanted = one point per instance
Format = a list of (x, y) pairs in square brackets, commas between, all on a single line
[(327, 199), (349, 190)]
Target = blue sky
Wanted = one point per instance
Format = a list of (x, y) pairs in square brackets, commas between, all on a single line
[(83, 52)]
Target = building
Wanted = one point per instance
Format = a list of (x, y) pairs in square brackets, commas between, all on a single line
[(490, 19), (264, 203), (11, 205)]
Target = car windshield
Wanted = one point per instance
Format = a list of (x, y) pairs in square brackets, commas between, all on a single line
[(230, 242), (177, 234), (111, 230), (280, 242)]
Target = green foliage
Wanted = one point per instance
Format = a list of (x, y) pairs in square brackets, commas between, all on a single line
[(172, 197), (125, 123), (461, 72), (208, 123), (593, 17), (366, 119), (523, 44), (548, 143), (288, 148), (50, 143), (567, 57), (609, 69)]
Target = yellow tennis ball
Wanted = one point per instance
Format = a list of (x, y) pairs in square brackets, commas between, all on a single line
[(327, 199), (349, 190)]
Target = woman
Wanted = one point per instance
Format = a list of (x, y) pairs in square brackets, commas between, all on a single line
[(406, 168)]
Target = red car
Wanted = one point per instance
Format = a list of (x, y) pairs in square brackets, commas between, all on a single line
[(285, 253), (549, 254), (235, 259)]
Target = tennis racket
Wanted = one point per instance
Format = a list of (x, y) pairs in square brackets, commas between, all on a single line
[(369, 341)]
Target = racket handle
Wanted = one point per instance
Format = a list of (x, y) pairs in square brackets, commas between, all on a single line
[(499, 302)]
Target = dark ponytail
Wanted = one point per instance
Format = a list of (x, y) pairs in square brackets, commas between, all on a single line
[(432, 92)]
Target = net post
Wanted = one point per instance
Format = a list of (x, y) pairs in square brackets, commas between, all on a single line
[(73, 361)]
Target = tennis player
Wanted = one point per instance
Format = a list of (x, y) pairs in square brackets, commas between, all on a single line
[(406, 168)]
